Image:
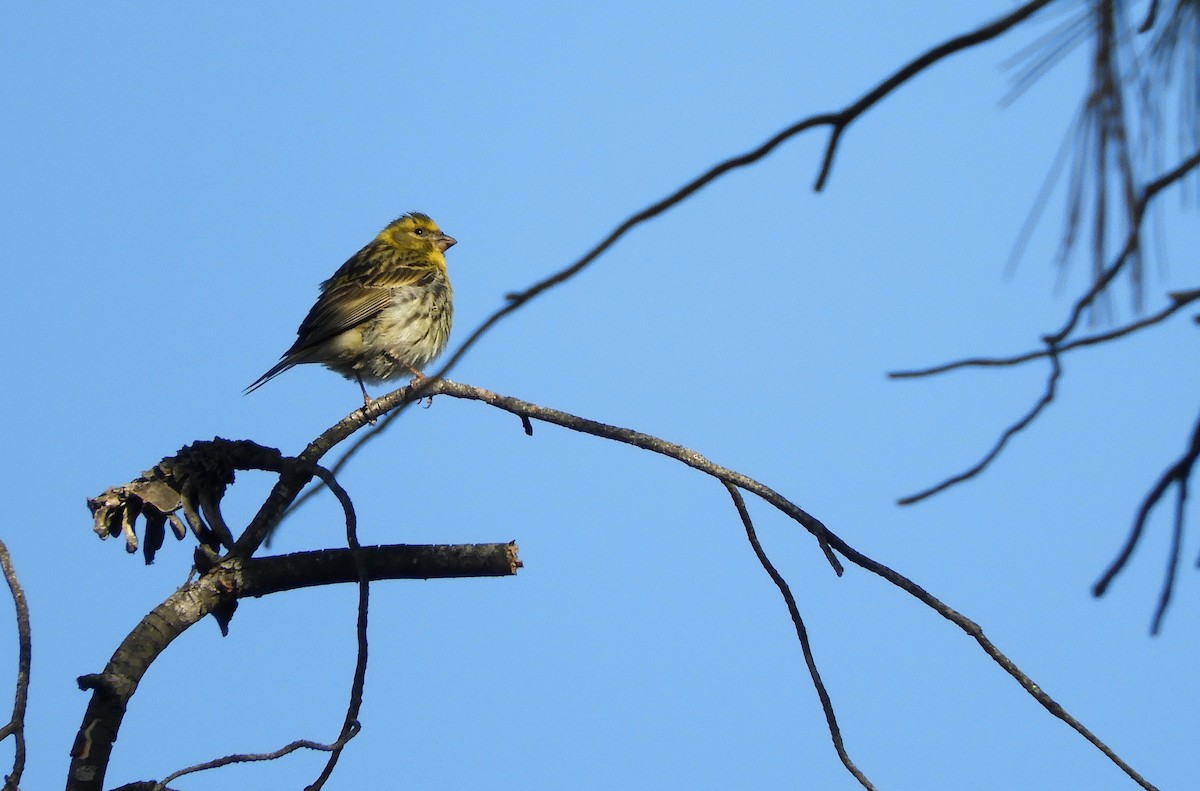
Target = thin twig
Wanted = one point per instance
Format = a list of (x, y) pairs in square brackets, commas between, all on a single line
[(1164, 599), (351, 724), (973, 629), (1178, 474), (838, 121), (1151, 16), (1055, 342), (1132, 245), (378, 428), (810, 523), (1009, 433), (940, 52), (835, 733), (1180, 300), (241, 758), (16, 725)]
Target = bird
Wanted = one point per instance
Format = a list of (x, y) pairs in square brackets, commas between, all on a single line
[(384, 314)]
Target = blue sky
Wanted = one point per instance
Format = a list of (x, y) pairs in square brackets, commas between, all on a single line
[(178, 178)]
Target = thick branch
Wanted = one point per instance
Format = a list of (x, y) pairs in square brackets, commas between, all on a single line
[(278, 573), (228, 582)]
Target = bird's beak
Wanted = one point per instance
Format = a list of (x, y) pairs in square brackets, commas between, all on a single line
[(445, 242)]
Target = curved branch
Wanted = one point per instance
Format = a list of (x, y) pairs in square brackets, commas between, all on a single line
[(242, 758), (1178, 474), (1132, 245), (1020, 425), (285, 500), (350, 724), (838, 121), (835, 733), (1054, 342), (693, 459), (16, 725)]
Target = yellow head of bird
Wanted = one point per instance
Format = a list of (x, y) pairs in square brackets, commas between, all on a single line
[(416, 231)]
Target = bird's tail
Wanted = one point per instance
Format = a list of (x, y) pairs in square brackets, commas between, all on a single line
[(276, 370)]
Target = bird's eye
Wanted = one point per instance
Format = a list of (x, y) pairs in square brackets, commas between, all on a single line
[(419, 231)]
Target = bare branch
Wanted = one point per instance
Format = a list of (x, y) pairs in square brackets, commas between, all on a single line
[(940, 52), (1054, 343), (350, 724), (233, 579), (285, 501), (973, 629), (810, 523), (1151, 16), (1164, 599), (1020, 425), (627, 436), (279, 573), (838, 121), (1179, 301), (1178, 474), (241, 758), (16, 725), (835, 732), (1132, 245)]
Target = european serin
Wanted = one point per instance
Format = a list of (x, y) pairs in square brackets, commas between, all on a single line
[(385, 313)]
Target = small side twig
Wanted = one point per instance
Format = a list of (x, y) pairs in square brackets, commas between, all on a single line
[(350, 724), (837, 121), (242, 758), (1056, 342), (16, 725), (1179, 301), (1177, 474), (1132, 245), (805, 520), (1009, 433), (835, 733)]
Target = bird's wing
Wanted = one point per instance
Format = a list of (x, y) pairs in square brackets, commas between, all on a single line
[(358, 291)]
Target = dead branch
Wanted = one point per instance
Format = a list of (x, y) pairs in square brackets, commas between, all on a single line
[(1179, 301), (1055, 343), (229, 581), (835, 732), (837, 121), (810, 523), (16, 725), (1178, 474)]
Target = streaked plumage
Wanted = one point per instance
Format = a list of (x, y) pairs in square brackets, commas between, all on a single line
[(385, 313)]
